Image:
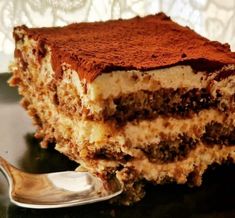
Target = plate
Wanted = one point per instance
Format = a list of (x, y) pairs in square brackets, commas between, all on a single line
[(215, 198)]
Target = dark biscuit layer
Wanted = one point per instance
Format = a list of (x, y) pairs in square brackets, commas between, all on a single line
[(164, 152), (148, 105), (219, 134), (170, 150)]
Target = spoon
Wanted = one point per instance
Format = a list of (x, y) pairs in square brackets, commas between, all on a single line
[(55, 190)]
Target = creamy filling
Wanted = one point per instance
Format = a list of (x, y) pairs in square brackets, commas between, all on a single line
[(122, 82)]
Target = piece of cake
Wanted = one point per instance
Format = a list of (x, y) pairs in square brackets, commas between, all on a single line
[(143, 99)]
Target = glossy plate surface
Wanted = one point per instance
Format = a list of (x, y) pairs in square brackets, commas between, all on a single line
[(215, 198)]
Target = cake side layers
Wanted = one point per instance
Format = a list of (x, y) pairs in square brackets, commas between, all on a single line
[(100, 133), (92, 139), (132, 172), (100, 148), (91, 142)]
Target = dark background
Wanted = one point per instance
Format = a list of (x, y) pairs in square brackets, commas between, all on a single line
[(215, 198)]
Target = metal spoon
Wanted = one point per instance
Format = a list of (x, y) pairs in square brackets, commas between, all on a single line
[(55, 190)]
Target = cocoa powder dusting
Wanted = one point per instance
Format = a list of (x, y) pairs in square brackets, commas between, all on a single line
[(152, 42)]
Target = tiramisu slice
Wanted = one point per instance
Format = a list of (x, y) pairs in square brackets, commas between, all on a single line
[(140, 99)]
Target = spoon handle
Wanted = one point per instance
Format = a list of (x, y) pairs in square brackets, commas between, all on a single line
[(5, 167)]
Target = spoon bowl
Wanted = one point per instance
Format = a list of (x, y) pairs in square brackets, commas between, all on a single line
[(55, 190)]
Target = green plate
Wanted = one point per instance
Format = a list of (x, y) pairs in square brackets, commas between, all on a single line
[(215, 198)]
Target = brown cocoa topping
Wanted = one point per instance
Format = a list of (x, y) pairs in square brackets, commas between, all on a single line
[(152, 42)]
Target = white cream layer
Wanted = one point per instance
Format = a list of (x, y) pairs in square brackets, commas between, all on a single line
[(122, 82)]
